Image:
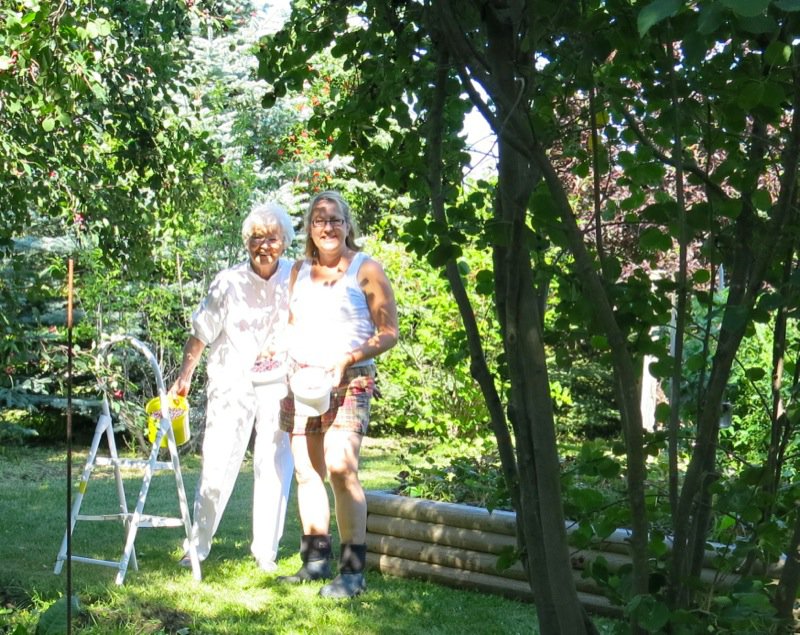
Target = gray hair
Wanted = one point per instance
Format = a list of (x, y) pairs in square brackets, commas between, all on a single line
[(269, 215)]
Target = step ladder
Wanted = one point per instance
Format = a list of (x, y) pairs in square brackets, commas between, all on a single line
[(136, 519)]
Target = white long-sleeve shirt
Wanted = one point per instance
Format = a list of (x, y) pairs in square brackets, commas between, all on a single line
[(241, 315)]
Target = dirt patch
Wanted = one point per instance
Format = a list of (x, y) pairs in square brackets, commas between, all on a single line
[(13, 598), (171, 621)]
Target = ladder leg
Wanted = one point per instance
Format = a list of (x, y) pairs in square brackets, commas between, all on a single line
[(103, 424), (184, 505), (133, 527), (123, 501)]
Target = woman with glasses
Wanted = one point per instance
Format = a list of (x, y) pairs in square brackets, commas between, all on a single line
[(243, 314), (342, 316)]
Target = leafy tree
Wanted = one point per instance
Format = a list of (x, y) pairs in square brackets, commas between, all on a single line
[(432, 158), (678, 119)]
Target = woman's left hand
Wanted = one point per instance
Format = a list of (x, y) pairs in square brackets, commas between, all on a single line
[(337, 370)]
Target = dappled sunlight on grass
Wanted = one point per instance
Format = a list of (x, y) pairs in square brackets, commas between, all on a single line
[(235, 596)]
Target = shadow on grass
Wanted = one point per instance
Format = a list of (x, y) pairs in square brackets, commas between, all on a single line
[(234, 595)]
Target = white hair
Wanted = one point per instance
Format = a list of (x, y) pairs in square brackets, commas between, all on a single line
[(269, 215)]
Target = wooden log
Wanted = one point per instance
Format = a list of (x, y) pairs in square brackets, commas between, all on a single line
[(458, 545), (584, 558), (448, 557), (515, 589), (504, 522), (438, 554), (475, 539), (418, 547), (452, 514)]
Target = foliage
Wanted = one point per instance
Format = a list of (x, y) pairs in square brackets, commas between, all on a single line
[(91, 144), (657, 142), (53, 621), (126, 181), (429, 390), (464, 473), (648, 153)]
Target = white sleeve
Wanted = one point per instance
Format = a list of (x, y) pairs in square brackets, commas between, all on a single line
[(209, 318)]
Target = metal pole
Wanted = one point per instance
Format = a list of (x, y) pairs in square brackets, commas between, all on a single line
[(69, 445)]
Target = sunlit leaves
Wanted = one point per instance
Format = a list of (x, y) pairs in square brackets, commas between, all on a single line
[(90, 102)]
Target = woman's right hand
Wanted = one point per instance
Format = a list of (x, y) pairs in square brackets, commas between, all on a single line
[(180, 387)]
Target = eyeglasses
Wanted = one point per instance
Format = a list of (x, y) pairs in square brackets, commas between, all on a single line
[(333, 222), (272, 241)]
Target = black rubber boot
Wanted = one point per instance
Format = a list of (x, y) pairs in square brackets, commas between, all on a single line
[(315, 552), (350, 581)]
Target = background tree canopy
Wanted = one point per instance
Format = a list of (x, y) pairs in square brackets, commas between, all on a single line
[(641, 222)]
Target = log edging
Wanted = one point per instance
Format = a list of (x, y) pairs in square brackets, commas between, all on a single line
[(459, 545)]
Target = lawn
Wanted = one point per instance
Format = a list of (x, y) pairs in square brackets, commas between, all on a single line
[(234, 595)]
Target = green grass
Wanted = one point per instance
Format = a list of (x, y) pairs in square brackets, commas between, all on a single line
[(234, 595)]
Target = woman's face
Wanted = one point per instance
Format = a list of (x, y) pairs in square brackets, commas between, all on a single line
[(328, 227), (265, 246)]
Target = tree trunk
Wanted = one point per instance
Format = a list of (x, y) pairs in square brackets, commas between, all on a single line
[(478, 367)]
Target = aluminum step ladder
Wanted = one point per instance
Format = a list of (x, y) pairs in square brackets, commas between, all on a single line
[(136, 519)]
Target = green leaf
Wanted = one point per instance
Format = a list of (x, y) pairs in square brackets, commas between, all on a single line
[(747, 8), (710, 19), (662, 368), (484, 280), (506, 558), (755, 373), (748, 95), (443, 252), (657, 617), (54, 620), (695, 362), (48, 124), (787, 5), (778, 53), (758, 25), (653, 239), (608, 468), (656, 12), (587, 499)]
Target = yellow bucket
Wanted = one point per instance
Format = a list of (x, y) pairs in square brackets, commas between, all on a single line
[(178, 413)]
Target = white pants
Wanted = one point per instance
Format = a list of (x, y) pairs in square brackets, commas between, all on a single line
[(229, 424)]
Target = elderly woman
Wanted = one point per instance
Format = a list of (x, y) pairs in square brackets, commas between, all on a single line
[(342, 315), (245, 312)]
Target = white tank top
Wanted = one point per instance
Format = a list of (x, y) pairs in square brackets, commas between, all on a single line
[(328, 320)]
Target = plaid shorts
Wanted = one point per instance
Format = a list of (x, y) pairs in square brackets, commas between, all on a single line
[(349, 409)]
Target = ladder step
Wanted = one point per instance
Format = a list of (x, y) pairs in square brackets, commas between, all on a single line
[(132, 463), (145, 520), (96, 517), (105, 563), (160, 521)]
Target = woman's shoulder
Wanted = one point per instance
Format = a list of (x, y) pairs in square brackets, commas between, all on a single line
[(296, 267), (368, 265), (230, 274)]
